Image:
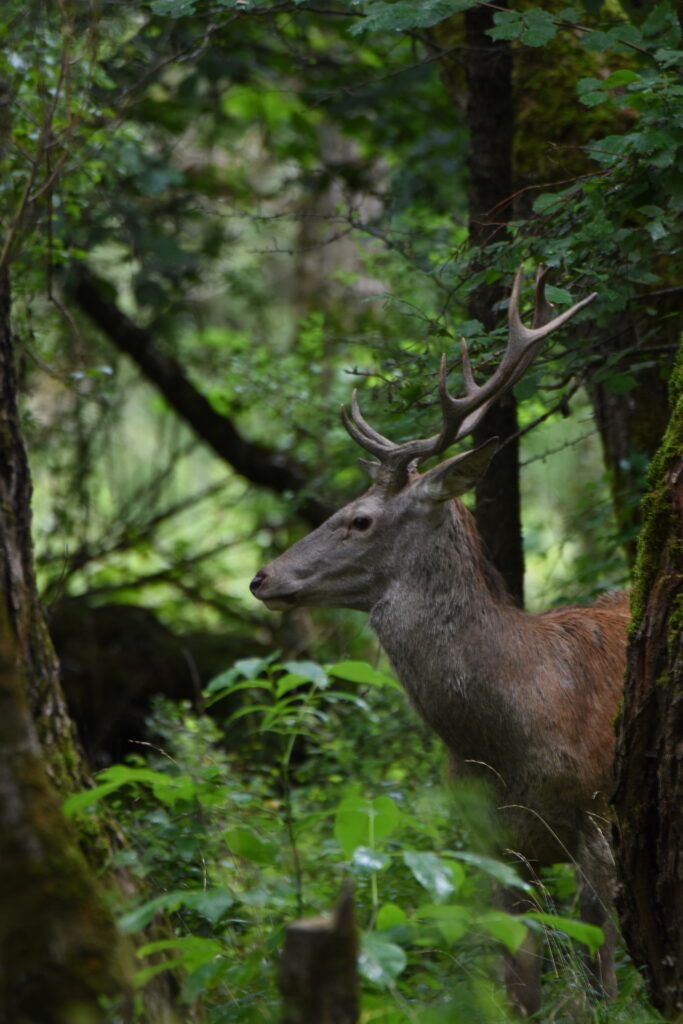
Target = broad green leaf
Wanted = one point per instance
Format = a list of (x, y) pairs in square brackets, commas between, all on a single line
[(507, 25), (310, 670), (403, 15), (554, 294), (166, 788), (195, 949), (589, 934), (205, 977), (621, 77), (363, 822), (251, 847), (78, 803), (244, 668), (211, 903), (361, 672), (507, 929), (540, 27), (390, 915), (368, 860), (380, 961), (498, 869), (453, 921), (289, 681), (140, 916), (431, 871), (145, 975)]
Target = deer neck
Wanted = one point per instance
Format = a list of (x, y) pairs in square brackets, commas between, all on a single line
[(448, 627)]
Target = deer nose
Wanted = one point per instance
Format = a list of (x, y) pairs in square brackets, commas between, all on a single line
[(257, 581)]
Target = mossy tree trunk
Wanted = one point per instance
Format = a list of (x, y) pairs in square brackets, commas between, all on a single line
[(649, 793), (59, 951)]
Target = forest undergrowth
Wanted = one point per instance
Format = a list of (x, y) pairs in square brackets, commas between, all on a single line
[(348, 785)]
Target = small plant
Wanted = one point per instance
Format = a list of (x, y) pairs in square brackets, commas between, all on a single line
[(233, 847)]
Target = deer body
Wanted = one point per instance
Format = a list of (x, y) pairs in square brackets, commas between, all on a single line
[(527, 701)]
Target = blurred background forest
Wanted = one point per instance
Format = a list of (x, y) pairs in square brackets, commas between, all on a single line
[(221, 217)]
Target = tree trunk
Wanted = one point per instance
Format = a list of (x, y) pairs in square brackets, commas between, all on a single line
[(490, 120), (631, 424), (649, 766), (59, 951)]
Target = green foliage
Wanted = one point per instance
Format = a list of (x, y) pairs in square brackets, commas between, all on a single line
[(232, 852)]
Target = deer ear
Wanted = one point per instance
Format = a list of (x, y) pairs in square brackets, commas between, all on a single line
[(457, 475)]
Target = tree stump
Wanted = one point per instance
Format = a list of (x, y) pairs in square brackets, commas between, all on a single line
[(318, 973)]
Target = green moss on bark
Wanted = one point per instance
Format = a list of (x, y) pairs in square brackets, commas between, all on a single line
[(659, 517)]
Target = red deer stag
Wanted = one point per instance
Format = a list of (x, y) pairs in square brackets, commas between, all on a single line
[(527, 699)]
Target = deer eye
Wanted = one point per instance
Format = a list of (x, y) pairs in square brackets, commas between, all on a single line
[(361, 523)]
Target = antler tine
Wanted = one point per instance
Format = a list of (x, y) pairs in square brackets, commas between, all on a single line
[(394, 457), (520, 337), (361, 431), (461, 415), (543, 311)]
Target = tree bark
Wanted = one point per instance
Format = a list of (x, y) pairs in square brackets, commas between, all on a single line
[(632, 424), (59, 950), (490, 121), (649, 766)]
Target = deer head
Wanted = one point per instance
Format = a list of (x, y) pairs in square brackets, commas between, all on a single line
[(351, 559)]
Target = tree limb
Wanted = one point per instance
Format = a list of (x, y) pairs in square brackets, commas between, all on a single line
[(256, 462)]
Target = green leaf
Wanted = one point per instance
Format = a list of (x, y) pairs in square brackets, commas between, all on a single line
[(431, 871), (390, 915), (361, 672), (212, 903), (554, 294), (362, 822), (139, 917), (369, 860), (507, 929), (593, 99), (453, 921), (380, 961), (173, 8), (498, 869), (168, 789), (620, 383), (540, 27), (402, 15), (589, 934), (546, 201), (622, 77), (244, 668), (310, 670), (249, 846), (289, 681), (507, 25)]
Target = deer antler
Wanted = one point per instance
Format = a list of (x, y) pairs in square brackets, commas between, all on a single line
[(461, 415)]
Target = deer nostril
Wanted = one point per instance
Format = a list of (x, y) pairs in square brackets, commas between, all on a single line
[(257, 581)]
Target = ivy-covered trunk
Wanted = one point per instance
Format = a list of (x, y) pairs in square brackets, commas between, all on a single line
[(649, 794), (59, 950)]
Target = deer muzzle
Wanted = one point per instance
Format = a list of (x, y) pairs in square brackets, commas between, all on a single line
[(276, 602)]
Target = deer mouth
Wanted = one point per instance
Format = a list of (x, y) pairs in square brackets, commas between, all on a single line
[(279, 604)]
